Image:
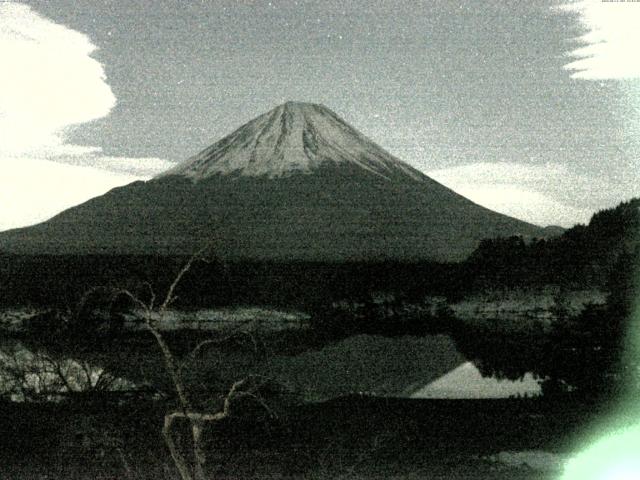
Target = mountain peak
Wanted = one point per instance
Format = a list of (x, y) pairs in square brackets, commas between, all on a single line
[(291, 104), (293, 138)]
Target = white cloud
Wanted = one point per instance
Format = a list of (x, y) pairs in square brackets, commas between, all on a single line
[(516, 190), (50, 83), (32, 191), (142, 168), (610, 48)]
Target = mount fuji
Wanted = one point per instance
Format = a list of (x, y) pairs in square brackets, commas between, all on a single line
[(296, 183)]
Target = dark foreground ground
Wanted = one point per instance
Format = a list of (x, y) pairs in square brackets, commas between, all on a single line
[(353, 437)]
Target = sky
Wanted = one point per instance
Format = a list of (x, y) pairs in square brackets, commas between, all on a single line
[(529, 108)]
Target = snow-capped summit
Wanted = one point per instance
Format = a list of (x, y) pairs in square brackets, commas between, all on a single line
[(292, 138)]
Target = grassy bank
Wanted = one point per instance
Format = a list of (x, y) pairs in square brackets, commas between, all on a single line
[(351, 437)]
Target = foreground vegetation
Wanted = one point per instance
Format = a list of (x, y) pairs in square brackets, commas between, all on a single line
[(354, 437)]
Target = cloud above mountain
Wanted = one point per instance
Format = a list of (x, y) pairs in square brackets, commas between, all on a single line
[(609, 48), (51, 83), (528, 192), (32, 190)]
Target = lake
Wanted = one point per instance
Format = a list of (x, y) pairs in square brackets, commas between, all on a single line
[(427, 367)]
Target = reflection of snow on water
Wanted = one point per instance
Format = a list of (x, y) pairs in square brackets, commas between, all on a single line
[(466, 381), (27, 375)]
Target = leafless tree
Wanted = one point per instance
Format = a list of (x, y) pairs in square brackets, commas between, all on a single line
[(196, 418), (38, 375)]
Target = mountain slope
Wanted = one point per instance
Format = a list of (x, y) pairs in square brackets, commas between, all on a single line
[(296, 183)]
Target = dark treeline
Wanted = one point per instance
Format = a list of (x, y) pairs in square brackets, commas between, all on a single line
[(583, 256), (60, 281)]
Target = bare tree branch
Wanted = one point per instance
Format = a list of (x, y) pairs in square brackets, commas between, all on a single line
[(152, 300), (196, 419), (187, 266), (177, 457)]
